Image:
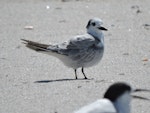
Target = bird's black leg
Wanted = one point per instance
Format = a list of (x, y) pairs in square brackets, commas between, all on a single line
[(75, 70), (83, 73)]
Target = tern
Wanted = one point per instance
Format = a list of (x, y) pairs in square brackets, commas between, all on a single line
[(117, 99), (78, 52)]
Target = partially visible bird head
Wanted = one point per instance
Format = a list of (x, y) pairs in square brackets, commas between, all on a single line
[(95, 24), (120, 89)]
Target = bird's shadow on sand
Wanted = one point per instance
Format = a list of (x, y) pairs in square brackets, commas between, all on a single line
[(61, 80)]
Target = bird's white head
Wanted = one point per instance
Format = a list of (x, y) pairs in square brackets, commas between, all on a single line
[(95, 26), (120, 95)]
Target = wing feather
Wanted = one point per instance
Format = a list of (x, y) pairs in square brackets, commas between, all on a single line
[(82, 41)]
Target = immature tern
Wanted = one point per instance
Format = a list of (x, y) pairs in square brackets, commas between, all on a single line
[(80, 51), (116, 100)]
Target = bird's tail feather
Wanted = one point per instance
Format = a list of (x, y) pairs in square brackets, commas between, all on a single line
[(43, 48), (35, 45)]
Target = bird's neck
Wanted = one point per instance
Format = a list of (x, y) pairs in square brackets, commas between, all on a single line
[(122, 105), (98, 35)]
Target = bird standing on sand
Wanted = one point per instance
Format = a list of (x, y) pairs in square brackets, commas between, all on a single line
[(80, 51), (117, 99)]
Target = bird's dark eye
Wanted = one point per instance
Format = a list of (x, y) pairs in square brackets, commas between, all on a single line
[(93, 24)]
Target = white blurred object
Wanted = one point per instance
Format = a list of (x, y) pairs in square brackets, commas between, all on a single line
[(28, 27), (47, 7)]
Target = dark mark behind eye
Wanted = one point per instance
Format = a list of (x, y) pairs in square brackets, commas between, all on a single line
[(88, 23)]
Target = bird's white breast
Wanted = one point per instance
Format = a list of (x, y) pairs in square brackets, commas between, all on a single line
[(99, 106)]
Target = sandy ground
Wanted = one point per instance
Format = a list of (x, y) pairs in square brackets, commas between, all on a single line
[(31, 82)]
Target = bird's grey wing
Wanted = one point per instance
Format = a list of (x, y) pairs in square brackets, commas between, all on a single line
[(73, 47), (100, 106), (81, 41)]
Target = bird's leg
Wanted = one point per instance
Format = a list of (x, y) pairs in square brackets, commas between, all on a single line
[(83, 73), (75, 70)]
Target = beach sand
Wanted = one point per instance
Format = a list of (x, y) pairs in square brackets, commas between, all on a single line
[(32, 82)]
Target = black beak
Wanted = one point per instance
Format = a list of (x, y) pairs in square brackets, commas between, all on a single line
[(143, 90), (139, 97), (102, 28)]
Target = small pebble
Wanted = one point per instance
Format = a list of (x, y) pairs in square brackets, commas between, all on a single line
[(125, 53), (62, 21), (47, 7), (145, 59), (121, 74), (135, 6), (138, 11), (146, 26), (28, 27), (58, 8), (18, 47), (129, 29), (112, 25), (79, 86)]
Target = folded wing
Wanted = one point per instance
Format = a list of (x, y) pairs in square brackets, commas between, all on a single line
[(81, 42)]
